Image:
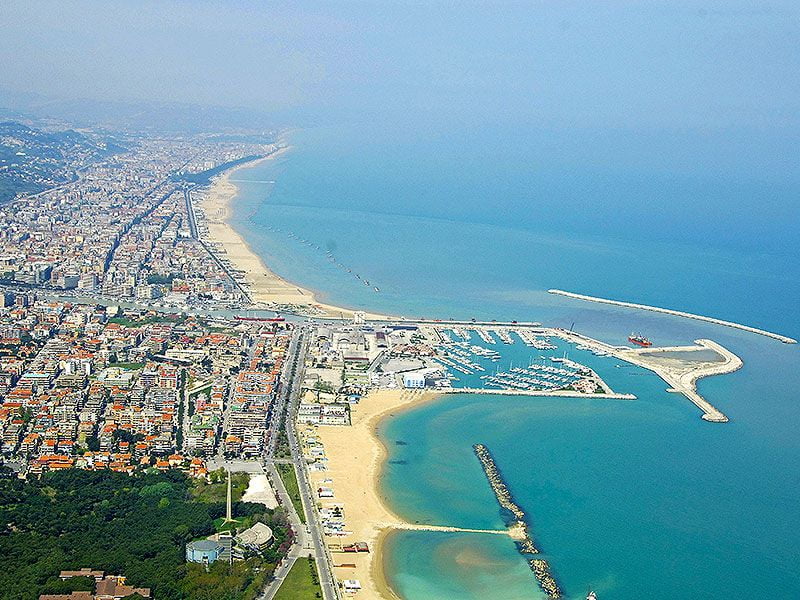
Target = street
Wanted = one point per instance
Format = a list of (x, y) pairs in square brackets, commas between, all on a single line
[(309, 537)]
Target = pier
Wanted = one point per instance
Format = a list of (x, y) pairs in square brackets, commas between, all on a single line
[(524, 538), (447, 529), (540, 393), (684, 380), (676, 313)]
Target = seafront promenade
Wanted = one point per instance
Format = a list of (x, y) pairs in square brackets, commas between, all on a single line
[(677, 313)]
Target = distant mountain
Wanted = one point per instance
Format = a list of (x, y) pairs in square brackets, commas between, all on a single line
[(135, 116), (32, 160)]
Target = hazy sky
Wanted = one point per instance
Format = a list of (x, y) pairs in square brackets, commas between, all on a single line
[(679, 64)]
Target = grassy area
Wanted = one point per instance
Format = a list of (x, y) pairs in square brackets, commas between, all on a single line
[(217, 490), (221, 525), (301, 583), (220, 329), (289, 478)]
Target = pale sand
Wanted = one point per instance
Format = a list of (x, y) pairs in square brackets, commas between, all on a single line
[(260, 491), (355, 459), (264, 285)]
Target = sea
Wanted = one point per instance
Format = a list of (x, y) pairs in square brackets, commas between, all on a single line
[(632, 499)]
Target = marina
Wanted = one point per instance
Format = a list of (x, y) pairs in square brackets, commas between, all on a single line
[(492, 369), (507, 369)]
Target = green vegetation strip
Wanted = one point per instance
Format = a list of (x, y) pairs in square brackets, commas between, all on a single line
[(134, 525), (126, 322), (301, 583), (289, 478)]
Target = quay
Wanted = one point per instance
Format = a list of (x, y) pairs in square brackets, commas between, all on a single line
[(684, 380), (444, 322), (542, 393), (524, 539), (681, 379), (677, 313)]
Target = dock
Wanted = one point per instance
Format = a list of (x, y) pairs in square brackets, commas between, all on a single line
[(540, 393), (676, 313), (684, 381), (523, 536)]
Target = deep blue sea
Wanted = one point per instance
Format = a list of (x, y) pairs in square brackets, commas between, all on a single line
[(635, 499)]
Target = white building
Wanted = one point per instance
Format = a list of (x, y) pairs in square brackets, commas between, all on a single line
[(414, 379)]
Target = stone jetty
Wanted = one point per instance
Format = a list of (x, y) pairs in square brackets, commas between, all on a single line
[(522, 535)]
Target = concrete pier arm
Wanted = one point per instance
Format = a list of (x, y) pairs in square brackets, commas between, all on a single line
[(684, 381), (677, 313), (681, 379), (536, 393)]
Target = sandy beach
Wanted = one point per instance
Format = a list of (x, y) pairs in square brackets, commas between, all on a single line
[(355, 458), (264, 286)]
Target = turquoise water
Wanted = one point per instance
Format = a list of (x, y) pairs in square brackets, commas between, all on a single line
[(633, 498)]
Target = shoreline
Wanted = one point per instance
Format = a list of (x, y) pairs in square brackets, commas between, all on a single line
[(357, 487), (264, 285), (357, 456)]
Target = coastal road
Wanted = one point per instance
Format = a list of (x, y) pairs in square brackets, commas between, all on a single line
[(226, 270), (309, 537), (330, 588)]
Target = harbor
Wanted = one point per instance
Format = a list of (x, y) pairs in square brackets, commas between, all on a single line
[(522, 534), (681, 375), (536, 393), (511, 366), (472, 367)]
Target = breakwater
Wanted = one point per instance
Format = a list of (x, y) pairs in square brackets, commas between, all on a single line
[(520, 532), (677, 313), (540, 393)]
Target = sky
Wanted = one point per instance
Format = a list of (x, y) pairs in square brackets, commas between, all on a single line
[(565, 64)]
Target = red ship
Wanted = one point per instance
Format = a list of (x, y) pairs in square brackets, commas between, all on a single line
[(639, 340)]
